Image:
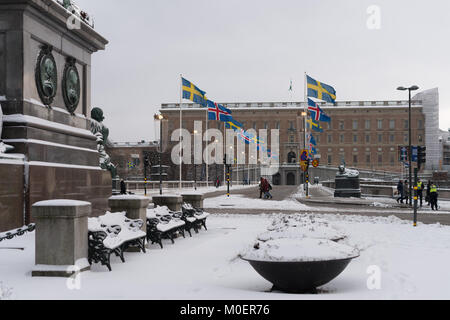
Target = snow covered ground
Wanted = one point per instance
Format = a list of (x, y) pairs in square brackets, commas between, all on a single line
[(240, 201), (412, 264), (200, 190)]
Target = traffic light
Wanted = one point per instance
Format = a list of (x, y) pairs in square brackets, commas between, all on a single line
[(421, 156), (146, 162)]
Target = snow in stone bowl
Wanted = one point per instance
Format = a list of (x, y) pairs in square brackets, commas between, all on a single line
[(299, 250), (313, 232), (301, 226)]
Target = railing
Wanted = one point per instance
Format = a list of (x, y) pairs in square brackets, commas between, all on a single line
[(16, 233), (392, 103)]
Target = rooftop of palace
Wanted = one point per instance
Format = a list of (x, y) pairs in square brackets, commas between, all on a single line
[(296, 105)]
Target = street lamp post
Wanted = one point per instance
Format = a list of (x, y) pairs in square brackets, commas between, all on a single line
[(195, 164), (412, 88), (146, 164), (160, 118), (305, 174)]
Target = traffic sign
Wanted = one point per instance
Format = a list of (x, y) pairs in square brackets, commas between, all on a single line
[(304, 166), (315, 163), (304, 155), (414, 154)]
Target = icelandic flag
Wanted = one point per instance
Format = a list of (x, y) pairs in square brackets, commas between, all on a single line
[(218, 112), (316, 112), (244, 135)]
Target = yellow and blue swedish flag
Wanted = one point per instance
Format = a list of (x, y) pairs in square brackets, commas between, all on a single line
[(320, 90), (193, 93), (233, 124), (314, 125)]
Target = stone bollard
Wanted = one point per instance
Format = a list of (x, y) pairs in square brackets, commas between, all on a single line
[(61, 243), (134, 206), (195, 199), (173, 202)]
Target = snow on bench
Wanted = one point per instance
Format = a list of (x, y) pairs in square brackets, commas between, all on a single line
[(163, 223), (113, 233), (196, 216)]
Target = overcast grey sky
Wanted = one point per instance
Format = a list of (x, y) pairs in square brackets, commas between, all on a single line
[(249, 50)]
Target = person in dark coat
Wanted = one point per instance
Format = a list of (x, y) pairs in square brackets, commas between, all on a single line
[(123, 187), (400, 191), (406, 191), (261, 187), (427, 197), (267, 194)]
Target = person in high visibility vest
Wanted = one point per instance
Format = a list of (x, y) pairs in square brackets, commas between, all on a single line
[(419, 191), (433, 197)]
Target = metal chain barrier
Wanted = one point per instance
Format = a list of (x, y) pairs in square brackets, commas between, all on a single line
[(17, 233)]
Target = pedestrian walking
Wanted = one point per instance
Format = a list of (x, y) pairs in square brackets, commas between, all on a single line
[(420, 191), (261, 187), (217, 182), (400, 191), (406, 191), (267, 194), (434, 197), (427, 197), (123, 187)]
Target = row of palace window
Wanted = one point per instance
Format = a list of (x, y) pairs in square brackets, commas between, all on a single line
[(368, 138), (392, 160), (380, 123), (325, 125), (292, 158), (341, 126)]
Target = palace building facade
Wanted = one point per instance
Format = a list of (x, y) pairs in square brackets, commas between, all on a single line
[(365, 135)]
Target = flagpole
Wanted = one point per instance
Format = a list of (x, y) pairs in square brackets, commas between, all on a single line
[(206, 143), (291, 89), (224, 153), (304, 138), (181, 127)]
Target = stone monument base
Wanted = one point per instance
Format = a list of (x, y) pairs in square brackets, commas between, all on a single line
[(347, 184)]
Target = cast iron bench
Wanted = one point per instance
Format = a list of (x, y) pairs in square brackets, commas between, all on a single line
[(113, 233), (197, 216), (163, 224)]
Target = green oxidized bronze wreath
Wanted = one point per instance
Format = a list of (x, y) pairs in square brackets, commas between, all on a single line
[(46, 75), (71, 85)]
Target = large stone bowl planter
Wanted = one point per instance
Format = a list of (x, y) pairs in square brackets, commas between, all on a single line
[(299, 277), (299, 265)]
